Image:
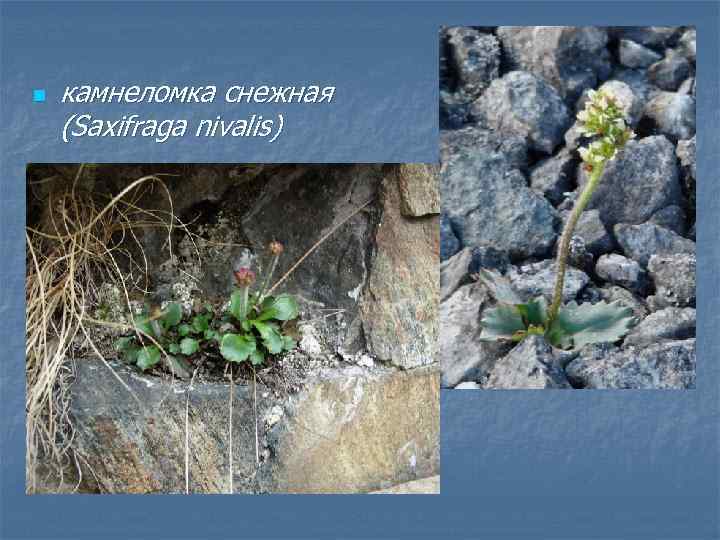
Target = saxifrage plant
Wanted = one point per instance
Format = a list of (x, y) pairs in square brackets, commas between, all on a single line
[(258, 318), (252, 329), (573, 325)]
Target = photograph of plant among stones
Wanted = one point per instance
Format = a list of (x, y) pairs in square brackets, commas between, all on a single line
[(234, 328), (568, 207)]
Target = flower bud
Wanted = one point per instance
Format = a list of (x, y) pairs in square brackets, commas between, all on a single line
[(244, 277)]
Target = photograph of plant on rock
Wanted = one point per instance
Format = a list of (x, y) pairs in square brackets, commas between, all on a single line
[(232, 328), (568, 207)]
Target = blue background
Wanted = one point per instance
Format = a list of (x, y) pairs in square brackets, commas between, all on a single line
[(515, 464)]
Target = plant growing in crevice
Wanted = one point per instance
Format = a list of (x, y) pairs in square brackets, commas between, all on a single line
[(258, 318), (573, 325), (162, 334)]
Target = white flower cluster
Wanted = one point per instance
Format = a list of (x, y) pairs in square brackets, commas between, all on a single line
[(602, 118)]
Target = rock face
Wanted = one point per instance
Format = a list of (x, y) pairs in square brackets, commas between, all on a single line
[(354, 431), (668, 365), (642, 180), (554, 176), (570, 58), (669, 72), (400, 301), (315, 199), (530, 365), (419, 189), (357, 430), (523, 104)]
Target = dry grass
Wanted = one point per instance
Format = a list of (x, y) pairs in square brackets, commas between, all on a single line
[(78, 244)]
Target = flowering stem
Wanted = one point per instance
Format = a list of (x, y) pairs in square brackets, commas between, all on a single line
[(244, 299), (564, 247), (268, 276)]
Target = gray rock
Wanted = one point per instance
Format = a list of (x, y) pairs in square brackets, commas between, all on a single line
[(489, 204), (554, 176), (669, 365), (674, 277), (687, 44), (638, 82), (622, 271), (297, 208), (134, 441), (399, 313), (640, 242), (523, 104), (568, 57), (634, 55), (669, 72), (454, 110), (475, 57), (640, 181), (686, 154), (578, 255), (463, 356), (468, 386), (535, 279), (477, 140), (594, 234), (671, 217), (419, 189), (530, 365), (449, 244), (456, 270), (687, 86), (665, 325), (671, 114), (650, 36)]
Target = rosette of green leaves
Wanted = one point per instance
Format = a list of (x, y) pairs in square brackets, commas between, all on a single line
[(258, 324), (575, 326), (165, 331)]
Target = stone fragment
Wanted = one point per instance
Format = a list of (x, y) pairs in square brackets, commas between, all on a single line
[(475, 57), (634, 55), (669, 365), (671, 114), (530, 365), (664, 325), (640, 242), (674, 278), (523, 104), (419, 189), (622, 271)]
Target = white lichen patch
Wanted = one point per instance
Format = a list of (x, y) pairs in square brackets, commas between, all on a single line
[(274, 415), (309, 342)]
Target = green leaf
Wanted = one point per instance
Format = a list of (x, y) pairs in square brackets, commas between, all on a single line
[(257, 357), (536, 311), (189, 346), (124, 343), (184, 330), (172, 315), (127, 348), (579, 325), (283, 308), (501, 322), (237, 348), (143, 324), (246, 325), (212, 334), (173, 348), (288, 343), (147, 357), (238, 306), (272, 339), (200, 323), (499, 287)]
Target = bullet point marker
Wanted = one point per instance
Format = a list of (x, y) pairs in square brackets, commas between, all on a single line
[(38, 95)]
